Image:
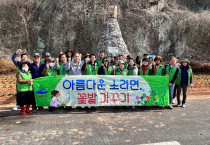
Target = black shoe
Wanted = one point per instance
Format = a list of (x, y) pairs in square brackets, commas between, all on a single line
[(178, 105)]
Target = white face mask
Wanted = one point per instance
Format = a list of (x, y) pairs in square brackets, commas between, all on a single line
[(52, 64), (25, 69)]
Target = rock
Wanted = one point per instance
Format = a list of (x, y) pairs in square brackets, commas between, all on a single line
[(111, 40)]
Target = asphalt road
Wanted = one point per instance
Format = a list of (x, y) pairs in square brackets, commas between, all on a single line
[(110, 125)]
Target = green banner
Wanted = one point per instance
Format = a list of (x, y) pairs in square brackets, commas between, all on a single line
[(102, 91)]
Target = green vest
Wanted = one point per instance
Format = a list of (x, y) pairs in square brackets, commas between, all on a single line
[(108, 71), (141, 71), (89, 70), (61, 69), (126, 65), (171, 71), (119, 72), (24, 87), (130, 71), (159, 71), (178, 81), (99, 62), (18, 69), (116, 67), (52, 72)]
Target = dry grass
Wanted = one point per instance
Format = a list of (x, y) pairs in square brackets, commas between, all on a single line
[(199, 67), (7, 67)]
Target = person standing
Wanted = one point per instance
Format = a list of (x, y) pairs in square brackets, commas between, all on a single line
[(171, 70), (16, 63), (145, 69), (100, 59), (46, 57), (49, 69), (60, 65), (105, 68), (121, 70), (24, 87), (74, 67), (91, 67), (185, 80), (158, 68), (36, 68)]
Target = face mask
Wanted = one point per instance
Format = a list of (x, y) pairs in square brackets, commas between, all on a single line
[(51, 64), (25, 69)]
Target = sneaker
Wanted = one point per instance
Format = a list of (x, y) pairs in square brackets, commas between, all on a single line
[(16, 107), (178, 105), (183, 105), (173, 102), (170, 106)]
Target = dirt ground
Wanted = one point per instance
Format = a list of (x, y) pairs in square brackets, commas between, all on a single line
[(201, 88)]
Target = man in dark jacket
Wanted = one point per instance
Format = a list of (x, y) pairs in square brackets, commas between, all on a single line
[(36, 69)]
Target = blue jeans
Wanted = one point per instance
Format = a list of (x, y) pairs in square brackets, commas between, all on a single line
[(171, 93)]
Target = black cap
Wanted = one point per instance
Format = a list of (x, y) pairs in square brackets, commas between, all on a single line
[(145, 54), (24, 62), (145, 59), (105, 59), (116, 57), (47, 54), (36, 54)]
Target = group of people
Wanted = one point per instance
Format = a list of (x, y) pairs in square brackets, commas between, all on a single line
[(72, 63)]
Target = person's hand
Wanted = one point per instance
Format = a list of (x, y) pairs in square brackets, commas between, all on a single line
[(150, 66), (63, 101), (170, 84), (139, 54), (166, 75), (69, 59), (18, 51), (153, 63), (66, 75), (57, 60), (56, 75)]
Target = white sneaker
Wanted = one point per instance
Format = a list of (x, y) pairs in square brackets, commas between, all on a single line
[(16, 107), (170, 106), (183, 105), (173, 102)]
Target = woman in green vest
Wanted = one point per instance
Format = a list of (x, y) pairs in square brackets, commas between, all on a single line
[(172, 71), (158, 68), (24, 88), (91, 67), (121, 70), (60, 65), (23, 57), (105, 68), (49, 69), (145, 69), (184, 81), (131, 66)]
